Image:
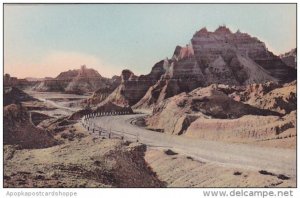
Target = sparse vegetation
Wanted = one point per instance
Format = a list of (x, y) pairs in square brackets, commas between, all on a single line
[(237, 173), (170, 152)]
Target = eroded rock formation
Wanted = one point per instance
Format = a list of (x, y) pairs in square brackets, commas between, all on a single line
[(271, 95), (19, 130), (78, 81), (290, 58), (257, 112), (209, 46), (14, 95), (133, 88), (220, 57), (246, 128), (103, 92)]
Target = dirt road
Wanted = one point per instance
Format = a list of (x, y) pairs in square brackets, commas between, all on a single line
[(49, 98), (277, 161)]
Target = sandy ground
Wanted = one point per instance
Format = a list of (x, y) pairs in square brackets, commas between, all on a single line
[(80, 162), (179, 170)]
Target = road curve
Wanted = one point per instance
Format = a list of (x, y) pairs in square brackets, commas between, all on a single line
[(275, 160)]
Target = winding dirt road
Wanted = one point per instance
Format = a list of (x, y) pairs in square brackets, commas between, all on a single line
[(275, 160), (278, 161)]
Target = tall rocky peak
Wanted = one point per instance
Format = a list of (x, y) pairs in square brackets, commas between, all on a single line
[(220, 57), (177, 52), (158, 70), (127, 75), (209, 46), (183, 52), (132, 87), (203, 31)]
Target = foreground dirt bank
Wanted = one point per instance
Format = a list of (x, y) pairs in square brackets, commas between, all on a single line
[(86, 163), (184, 171)]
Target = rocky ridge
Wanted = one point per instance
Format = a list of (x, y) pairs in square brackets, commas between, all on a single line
[(10, 81), (77, 81), (290, 58), (219, 57)]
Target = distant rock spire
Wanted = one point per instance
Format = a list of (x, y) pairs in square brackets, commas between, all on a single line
[(83, 67)]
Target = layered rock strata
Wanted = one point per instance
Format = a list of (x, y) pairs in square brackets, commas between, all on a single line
[(78, 81)]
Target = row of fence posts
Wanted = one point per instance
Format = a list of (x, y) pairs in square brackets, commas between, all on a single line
[(106, 113), (87, 124)]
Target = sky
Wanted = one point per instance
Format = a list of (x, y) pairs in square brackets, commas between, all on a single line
[(43, 40)]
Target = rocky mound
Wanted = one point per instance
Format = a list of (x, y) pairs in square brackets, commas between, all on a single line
[(175, 114), (271, 96), (245, 129), (52, 85), (264, 114), (133, 88), (37, 117), (67, 75), (102, 93), (213, 102), (14, 95), (85, 163), (290, 58), (87, 80), (18, 129), (78, 81)]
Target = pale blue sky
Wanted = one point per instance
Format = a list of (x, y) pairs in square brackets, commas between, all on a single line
[(42, 40)]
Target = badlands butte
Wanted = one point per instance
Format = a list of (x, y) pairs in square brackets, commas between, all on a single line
[(221, 112)]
